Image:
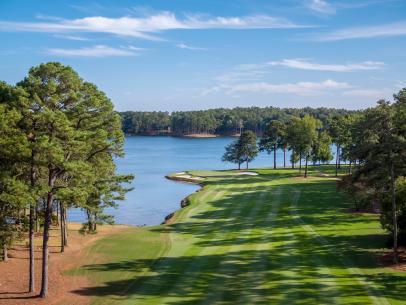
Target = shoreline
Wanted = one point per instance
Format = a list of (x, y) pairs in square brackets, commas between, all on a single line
[(200, 135), (191, 136), (185, 201)]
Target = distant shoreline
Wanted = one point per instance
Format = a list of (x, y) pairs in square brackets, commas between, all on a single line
[(200, 135), (191, 135)]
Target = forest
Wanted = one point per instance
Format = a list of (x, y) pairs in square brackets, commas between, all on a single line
[(222, 121)]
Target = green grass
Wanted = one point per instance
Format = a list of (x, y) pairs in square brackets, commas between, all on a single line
[(267, 239)]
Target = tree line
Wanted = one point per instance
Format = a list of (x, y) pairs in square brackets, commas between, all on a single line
[(59, 137), (372, 141), (304, 137), (217, 121)]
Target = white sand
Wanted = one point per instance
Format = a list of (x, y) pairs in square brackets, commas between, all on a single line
[(248, 173), (189, 177)]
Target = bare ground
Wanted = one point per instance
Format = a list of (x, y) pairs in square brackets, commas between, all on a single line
[(386, 259), (14, 272)]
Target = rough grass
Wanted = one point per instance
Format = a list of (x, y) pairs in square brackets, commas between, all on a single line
[(270, 239)]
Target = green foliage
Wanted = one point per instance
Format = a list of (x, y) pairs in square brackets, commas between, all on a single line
[(148, 123), (219, 121), (60, 136), (321, 149), (15, 194), (274, 137), (247, 144), (387, 215), (233, 154), (302, 134), (377, 140), (242, 150)]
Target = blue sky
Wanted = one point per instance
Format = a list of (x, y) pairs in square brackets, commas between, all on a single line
[(187, 55)]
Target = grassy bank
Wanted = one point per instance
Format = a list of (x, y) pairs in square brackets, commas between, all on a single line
[(269, 239)]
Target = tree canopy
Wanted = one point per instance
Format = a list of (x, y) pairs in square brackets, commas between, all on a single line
[(60, 135)]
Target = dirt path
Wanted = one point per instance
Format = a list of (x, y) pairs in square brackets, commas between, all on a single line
[(14, 273)]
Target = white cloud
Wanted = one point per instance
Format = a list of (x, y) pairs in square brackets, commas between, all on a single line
[(304, 64), (384, 30), (254, 72), (299, 88), (400, 85), (188, 47), (331, 7), (369, 93), (244, 73), (72, 37), (130, 47), (321, 6), (95, 51), (142, 27)]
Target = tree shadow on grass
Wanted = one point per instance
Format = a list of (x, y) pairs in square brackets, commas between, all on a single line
[(257, 277), (230, 265)]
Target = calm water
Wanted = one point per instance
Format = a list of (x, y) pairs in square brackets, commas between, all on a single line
[(150, 159)]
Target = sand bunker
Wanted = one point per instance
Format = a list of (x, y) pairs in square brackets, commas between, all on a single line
[(248, 173), (189, 177)]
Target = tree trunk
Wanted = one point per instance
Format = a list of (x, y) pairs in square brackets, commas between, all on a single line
[(45, 246), (305, 175), (32, 227), (339, 156), (37, 218), (61, 221), (284, 156), (394, 215), (274, 156), (247, 165), (239, 166), (337, 159), (31, 284), (65, 227), (89, 221), (293, 160), (5, 252), (300, 164), (57, 214), (350, 168)]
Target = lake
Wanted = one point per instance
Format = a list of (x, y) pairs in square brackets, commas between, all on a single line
[(150, 159)]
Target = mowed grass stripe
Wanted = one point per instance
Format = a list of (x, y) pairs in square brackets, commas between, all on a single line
[(188, 268), (230, 286), (241, 242), (258, 292), (321, 283), (348, 266), (291, 267), (259, 247), (210, 254), (166, 265)]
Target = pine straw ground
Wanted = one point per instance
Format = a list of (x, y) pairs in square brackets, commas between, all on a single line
[(14, 272)]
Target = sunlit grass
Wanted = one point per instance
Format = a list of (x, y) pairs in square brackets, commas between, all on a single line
[(274, 238)]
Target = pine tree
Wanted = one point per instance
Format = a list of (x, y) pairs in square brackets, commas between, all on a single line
[(15, 194), (273, 138), (247, 145), (301, 135)]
